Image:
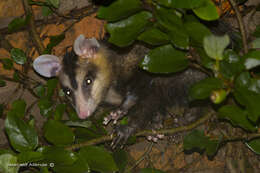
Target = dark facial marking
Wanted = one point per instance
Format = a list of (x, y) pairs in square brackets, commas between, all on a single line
[(69, 67)]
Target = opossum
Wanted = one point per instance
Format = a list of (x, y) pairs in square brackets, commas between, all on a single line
[(92, 73)]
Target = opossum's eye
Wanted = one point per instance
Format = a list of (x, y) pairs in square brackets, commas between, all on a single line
[(67, 91), (88, 81)]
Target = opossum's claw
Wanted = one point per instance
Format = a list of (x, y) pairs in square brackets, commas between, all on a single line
[(123, 132), (115, 116)]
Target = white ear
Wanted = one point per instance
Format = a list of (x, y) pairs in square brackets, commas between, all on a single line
[(47, 65), (85, 47)]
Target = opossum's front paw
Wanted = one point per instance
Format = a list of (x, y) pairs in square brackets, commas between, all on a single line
[(115, 116), (123, 132), (155, 137)]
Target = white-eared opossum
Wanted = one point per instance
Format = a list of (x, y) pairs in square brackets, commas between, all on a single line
[(92, 73)]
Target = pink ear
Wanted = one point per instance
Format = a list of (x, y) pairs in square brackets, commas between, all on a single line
[(85, 48), (47, 65)]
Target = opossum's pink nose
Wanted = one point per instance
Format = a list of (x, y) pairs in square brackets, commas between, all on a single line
[(83, 114)]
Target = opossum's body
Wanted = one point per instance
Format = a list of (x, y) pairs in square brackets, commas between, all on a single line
[(94, 74)]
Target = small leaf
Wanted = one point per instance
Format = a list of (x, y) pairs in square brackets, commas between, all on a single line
[(119, 9), (6, 160), (16, 76), (84, 124), (208, 11), (153, 36), (237, 116), (252, 59), (54, 41), (203, 88), (59, 156), (256, 43), (54, 3), (45, 106), (58, 133), (150, 170), (40, 91), (59, 111), (254, 145), (124, 32), (29, 156), (164, 59), (22, 136), (2, 83), (18, 56), (98, 159), (7, 63), (257, 31), (51, 86), (46, 11), (215, 46), (18, 23), (18, 106)]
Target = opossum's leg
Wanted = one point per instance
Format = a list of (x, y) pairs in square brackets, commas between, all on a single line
[(129, 102)]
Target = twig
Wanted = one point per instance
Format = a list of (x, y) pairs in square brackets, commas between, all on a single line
[(35, 37), (144, 133), (241, 25)]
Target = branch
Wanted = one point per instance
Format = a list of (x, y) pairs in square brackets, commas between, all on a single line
[(145, 133), (241, 25)]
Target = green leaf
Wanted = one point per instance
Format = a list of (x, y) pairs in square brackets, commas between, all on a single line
[(18, 23), (19, 106), (203, 88), (208, 11), (164, 59), (40, 91), (119, 9), (252, 59), (99, 159), (153, 36), (189, 4), (51, 86), (18, 56), (257, 31), (215, 45), (250, 99), (120, 157), (29, 156), (196, 31), (54, 3), (46, 11), (22, 136), (84, 124), (16, 76), (2, 83), (254, 145), (243, 80), (45, 106), (54, 41), (150, 170), (5, 161), (59, 156), (256, 43), (7, 63), (1, 110), (124, 32), (59, 111), (58, 133), (237, 117)]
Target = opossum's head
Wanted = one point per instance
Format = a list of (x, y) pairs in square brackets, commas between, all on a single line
[(84, 74)]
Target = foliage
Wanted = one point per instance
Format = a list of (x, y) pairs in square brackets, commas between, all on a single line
[(171, 28)]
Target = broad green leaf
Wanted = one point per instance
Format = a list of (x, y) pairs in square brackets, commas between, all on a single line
[(59, 156), (51, 85), (212, 147), (250, 99), (179, 38), (120, 157), (252, 59), (46, 11), (19, 106), (6, 160), (45, 106), (18, 23), (54, 41), (254, 145), (189, 4), (207, 11), (58, 133), (59, 111), (215, 46), (99, 159), (54, 3), (2, 83), (237, 117), (197, 31), (153, 36), (119, 9), (256, 43), (124, 32), (7, 63), (22, 136), (164, 59), (150, 170), (18, 56), (203, 88), (40, 91), (243, 80), (84, 124), (29, 156)]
